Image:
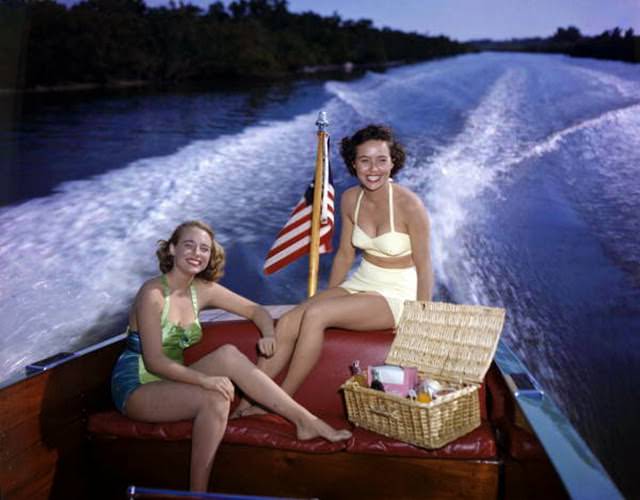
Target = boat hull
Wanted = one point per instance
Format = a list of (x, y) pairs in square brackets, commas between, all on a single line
[(47, 452)]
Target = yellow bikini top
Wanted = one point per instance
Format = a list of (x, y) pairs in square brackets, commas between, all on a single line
[(390, 244)]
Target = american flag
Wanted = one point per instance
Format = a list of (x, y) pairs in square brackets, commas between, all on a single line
[(294, 239)]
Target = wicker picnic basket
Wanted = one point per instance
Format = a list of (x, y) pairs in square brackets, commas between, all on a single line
[(447, 342)]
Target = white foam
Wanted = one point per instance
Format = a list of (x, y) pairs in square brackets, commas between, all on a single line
[(491, 145), (604, 81), (467, 167), (74, 259)]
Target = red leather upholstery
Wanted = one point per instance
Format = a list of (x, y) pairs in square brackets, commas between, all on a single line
[(113, 423), (243, 334), (478, 444), (267, 431), (319, 393), (273, 431)]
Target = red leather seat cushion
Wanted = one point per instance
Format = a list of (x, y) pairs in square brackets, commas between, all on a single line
[(274, 431), (478, 444), (113, 423), (319, 393), (267, 431)]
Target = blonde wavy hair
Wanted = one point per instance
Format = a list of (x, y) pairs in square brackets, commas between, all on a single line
[(215, 267)]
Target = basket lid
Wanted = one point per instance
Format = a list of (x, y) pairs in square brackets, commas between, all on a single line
[(451, 342)]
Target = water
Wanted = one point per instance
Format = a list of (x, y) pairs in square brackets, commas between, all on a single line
[(528, 165)]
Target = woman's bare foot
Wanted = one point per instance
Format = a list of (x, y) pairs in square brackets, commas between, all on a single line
[(247, 410), (319, 428), (253, 410), (240, 409)]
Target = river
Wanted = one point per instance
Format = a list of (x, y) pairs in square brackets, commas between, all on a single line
[(528, 165)]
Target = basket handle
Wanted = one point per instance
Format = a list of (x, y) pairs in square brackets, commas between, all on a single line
[(383, 412)]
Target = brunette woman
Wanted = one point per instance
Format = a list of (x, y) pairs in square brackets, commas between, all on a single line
[(390, 225)]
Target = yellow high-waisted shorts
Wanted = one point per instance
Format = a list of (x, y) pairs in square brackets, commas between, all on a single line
[(395, 285)]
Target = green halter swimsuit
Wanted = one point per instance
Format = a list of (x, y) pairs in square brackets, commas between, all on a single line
[(130, 372)]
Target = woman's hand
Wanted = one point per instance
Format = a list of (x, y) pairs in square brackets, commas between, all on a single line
[(267, 346), (221, 384)]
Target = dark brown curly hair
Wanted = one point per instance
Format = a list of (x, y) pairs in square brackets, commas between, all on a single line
[(349, 145), (215, 267)]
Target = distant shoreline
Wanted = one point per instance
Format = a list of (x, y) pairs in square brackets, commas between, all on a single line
[(71, 87), (347, 68), (54, 47)]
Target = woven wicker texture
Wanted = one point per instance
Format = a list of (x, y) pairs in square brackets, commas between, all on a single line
[(431, 425), (449, 342)]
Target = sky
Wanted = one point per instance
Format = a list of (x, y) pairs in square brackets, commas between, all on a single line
[(475, 19)]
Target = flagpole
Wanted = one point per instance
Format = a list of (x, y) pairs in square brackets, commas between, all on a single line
[(314, 251)]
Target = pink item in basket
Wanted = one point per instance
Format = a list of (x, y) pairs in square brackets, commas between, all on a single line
[(395, 379)]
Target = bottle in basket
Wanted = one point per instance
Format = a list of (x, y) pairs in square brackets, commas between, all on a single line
[(376, 383), (358, 375)]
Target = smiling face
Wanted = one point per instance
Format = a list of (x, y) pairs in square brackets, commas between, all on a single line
[(192, 253), (373, 164)]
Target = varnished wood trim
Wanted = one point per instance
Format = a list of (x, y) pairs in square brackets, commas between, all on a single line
[(268, 471)]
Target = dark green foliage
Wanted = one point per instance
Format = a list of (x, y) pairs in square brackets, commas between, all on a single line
[(14, 33), (44, 43), (571, 34), (611, 44)]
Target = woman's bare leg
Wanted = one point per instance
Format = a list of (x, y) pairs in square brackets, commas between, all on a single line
[(169, 401), (362, 311), (287, 331), (228, 361)]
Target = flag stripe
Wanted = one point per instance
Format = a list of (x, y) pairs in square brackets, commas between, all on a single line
[(292, 253), (292, 233), (294, 239), (301, 214), (299, 237)]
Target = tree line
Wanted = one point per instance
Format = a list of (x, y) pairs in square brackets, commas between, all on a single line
[(45, 43), (610, 44)]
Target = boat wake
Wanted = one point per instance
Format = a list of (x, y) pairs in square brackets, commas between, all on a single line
[(526, 163), (72, 260)]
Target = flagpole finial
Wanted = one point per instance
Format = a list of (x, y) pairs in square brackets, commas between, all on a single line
[(322, 122)]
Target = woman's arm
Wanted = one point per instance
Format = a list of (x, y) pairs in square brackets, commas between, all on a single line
[(149, 304), (419, 232), (216, 295), (343, 258)]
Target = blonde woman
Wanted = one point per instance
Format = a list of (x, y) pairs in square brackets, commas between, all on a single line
[(150, 381)]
